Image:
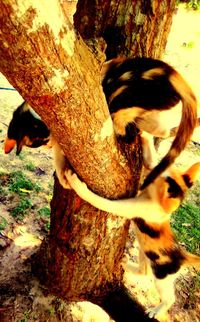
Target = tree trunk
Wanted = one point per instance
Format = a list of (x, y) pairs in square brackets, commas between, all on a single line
[(130, 28), (52, 68)]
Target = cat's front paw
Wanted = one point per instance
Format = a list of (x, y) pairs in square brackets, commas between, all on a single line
[(159, 312), (62, 179)]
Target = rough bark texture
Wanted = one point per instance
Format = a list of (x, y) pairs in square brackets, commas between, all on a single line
[(136, 28), (51, 67), (87, 246)]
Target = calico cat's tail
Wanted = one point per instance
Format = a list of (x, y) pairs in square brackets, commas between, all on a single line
[(185, 130)]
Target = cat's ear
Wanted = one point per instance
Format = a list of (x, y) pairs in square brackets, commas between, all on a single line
[(191, 174)]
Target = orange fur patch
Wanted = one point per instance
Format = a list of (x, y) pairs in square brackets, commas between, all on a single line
[(152, 73), (9, 145)]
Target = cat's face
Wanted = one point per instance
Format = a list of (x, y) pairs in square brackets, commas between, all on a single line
[(25, 129), (170, 188)]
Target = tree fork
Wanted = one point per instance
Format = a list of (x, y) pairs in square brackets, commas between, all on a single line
[(130, 28)]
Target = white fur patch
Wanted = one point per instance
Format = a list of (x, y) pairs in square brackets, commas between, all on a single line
[(34, 113), (107, 129)]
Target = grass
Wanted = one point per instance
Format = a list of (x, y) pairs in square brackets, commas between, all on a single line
[(186, 226), (30, 166), (21, 209), (20, 183), (47, 226), (3, 223), (19, 187), (194, 286), (45, 211)]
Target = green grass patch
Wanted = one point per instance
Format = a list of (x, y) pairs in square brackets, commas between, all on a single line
[(186, 226), (30, 166), (45, 211), (47, 226), (21, 209), (3, 223), (19, 183)]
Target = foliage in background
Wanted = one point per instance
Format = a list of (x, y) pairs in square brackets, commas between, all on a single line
[(190, 4)]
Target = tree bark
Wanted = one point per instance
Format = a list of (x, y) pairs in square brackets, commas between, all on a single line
[(130, 28), (48, 63)]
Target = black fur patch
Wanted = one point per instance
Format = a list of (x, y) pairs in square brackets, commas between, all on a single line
[(187, 181), (152, 255), (131, 132), (146, 229), (156, 93), (174, 189), (172, 266)]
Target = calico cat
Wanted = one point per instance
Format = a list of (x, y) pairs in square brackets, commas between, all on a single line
[(145, 91), (26, 129), (160, 252), (150, 212)]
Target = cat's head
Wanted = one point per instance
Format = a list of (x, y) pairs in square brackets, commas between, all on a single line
[(170, 188), (26, 129)]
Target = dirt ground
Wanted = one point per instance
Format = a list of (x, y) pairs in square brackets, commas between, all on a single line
[(22, 298)]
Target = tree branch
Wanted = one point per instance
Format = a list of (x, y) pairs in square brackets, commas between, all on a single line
[(53, 69)]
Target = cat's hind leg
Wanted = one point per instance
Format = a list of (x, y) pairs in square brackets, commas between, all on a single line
[(165, 288), (140, 268)]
